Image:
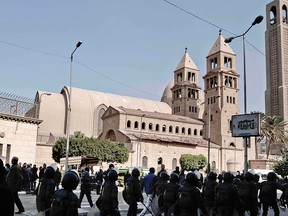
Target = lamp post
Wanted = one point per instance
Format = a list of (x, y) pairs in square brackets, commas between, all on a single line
[(257, 20), (69, 107)]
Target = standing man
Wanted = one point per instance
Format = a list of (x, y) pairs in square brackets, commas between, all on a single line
[(161, 170), (85, 187), (14, 181), (148, 184)]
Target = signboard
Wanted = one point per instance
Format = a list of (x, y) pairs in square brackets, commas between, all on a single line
[(246, 125)]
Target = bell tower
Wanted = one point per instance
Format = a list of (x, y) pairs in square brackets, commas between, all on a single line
[(276, 94), (186, 92), (221, 93)]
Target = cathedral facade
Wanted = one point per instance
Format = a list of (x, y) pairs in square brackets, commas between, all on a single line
[(186, 121)]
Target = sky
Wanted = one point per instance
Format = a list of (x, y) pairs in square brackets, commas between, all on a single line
[(130, 47)]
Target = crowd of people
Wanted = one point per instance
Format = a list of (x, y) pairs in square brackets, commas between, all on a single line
[(180, 193)]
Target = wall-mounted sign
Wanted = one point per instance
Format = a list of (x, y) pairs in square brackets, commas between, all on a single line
[(246, 125)]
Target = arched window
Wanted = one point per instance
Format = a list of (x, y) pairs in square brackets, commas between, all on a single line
[(136, 124), (201, 132), (232, 145), (273, 16), (157, 127), (183, 130), (150, 126), (160, 160), (195, 132), (164, 128), (170, 129), (144, 162), (128, 124), (143, 125), (284, 14), (177, 130), (174, 163), (110, 135), (189, 131)]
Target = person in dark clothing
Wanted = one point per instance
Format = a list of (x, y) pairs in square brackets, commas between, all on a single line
[(268, 193), (159, 188), (182, 177), (177, 170), (170, 192), (111, 166), (57, 178), (208, 193), (85, 187), (227, 196), (126, 176), (6, 198), (132, 192), (109, 196), (148, 184), (45, 191), (248, 194), (33, 177), (99, 180), (161, 170), (14, 181), (41, 171), (189, 197), (65, 202)]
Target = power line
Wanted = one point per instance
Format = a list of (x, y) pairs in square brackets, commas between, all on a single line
[(210, 23)]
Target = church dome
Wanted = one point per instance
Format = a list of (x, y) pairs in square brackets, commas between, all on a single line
[(167, 94)]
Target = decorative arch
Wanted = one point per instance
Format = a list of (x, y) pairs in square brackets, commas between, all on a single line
[(110, 135), (128, 124), (174, 163), (284, 14), (144, 162), (97, 121), (273, 15)]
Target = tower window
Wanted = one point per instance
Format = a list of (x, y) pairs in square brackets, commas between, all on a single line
[(273, 15), (214, 63), (228, 62), (164, 128), (150, 126), (284, 14), (183, 130), (195, 132), (189, 131), (157, 127), (192, 93), (143, 125), (214, 82), (170, 129), (191, 76), (179, 77)]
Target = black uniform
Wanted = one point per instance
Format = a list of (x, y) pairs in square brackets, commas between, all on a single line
[(109, 199), (208, 193), (85, 188)]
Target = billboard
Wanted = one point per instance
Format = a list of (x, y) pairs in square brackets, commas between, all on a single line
[(246, 125)]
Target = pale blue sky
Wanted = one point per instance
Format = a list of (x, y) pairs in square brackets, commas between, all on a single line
[(136, 42)]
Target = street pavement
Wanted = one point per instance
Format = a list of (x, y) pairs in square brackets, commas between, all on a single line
[(29, 203)]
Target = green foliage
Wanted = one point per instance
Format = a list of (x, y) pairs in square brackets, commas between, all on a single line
[(80, 145), (281, 167), (189, 161)]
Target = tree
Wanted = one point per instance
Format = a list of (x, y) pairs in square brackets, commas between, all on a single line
[(281, 167), (80, 145), (190, 162), (273, 129)]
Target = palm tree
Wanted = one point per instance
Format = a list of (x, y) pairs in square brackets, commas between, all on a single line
[(273, 129)]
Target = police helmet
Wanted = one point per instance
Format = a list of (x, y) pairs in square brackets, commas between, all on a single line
[(212, 176), (236, 181), (228, 177), (164, 176), (49, 172), (112, 175), (70, 180), (135, 173), (191, 178), (248, 176), (174, 178), (271, 176)]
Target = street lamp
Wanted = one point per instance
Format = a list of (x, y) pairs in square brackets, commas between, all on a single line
[(257, 20), (69, 107)]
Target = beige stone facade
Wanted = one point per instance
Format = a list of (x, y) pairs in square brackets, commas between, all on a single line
[(18, 138), (276, 95)]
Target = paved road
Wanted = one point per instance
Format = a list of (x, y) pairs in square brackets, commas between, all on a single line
[(29, 203)]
